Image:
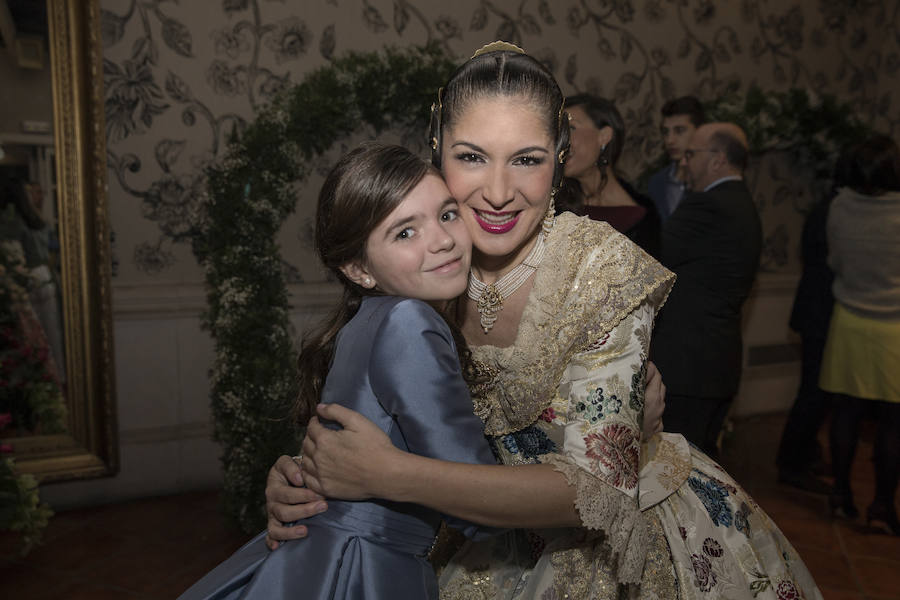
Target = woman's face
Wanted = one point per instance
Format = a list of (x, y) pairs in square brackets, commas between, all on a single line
[(586, 143), (421, 250), (498, 161)]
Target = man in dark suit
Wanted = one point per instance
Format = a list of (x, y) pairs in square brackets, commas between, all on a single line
[(680, 119), (712, 242)]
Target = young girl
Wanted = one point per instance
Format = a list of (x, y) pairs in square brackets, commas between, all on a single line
[(388, 228)]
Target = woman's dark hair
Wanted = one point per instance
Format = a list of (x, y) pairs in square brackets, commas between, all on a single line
[(870, 167), (602, 113), (362, 189), (501, 73)]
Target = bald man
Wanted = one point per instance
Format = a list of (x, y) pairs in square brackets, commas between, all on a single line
[(712, 242)]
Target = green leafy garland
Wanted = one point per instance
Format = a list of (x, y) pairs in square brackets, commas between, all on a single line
[(250, 194)]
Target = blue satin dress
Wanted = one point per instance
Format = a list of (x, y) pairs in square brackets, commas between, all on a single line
[(396, 363)]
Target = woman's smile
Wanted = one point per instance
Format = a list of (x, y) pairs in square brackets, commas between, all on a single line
[(496, 222)]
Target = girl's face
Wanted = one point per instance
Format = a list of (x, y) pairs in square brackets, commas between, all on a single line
[(421, 250), (498, 161), (586, 143)]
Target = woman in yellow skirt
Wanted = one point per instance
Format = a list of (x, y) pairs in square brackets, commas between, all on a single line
[(862, 355)]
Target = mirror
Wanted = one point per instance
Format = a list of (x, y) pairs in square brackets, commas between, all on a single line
[(64, 175)]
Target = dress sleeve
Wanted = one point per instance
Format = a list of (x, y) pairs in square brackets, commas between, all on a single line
[(416, 377), (602, 394)]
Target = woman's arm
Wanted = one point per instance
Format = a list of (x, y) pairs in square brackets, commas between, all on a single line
[(360, 462), (288, 501)]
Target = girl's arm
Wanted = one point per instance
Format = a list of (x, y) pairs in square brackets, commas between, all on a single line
[(360, 462)]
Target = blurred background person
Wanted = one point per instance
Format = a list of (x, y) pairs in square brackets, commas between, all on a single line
[(680, 118), (861, 362), (712, 242), (592, 186), (800, 456)]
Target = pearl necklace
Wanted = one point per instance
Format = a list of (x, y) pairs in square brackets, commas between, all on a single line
[(490, 297)]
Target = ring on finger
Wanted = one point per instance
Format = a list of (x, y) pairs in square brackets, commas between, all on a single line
[(298, 460)]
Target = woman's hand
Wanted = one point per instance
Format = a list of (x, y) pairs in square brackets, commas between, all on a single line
[(288, 501), (654, 401), (350, 464)]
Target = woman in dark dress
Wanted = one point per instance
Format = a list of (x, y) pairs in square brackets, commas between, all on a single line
[(592, 186)]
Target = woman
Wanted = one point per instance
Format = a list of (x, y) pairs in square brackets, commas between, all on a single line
[(558, 316), (388, 229), (861, 360), (592, 185)]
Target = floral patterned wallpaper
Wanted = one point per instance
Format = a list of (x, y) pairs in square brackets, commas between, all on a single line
[(183, 76)]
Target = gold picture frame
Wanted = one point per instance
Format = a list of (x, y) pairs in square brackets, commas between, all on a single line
[(89, 448)]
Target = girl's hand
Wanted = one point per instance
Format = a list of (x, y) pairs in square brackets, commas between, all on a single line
[(654, 402), (350, 464), (288, 501)]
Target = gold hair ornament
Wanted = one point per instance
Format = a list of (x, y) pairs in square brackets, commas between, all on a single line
[(498, 46), (559, 117)]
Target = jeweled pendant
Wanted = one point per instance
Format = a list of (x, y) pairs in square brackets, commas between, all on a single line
[(489, 304)]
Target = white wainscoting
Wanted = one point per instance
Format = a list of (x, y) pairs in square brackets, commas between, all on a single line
[(771, 350), (162, 362)]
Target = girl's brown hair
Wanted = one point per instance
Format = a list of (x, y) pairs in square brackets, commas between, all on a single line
[(362, 189)]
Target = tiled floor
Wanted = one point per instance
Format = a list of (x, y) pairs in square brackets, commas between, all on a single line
[(155, 548)]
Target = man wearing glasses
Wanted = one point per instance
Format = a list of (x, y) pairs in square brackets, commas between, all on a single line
[(681, 117), (712, 241)]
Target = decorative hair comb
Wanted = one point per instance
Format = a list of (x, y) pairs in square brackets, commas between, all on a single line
[(497, 46)]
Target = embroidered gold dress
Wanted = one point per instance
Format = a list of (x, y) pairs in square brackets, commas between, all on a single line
[(661, 520)]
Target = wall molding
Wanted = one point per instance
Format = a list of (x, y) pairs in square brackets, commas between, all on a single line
[(188, 300), (166, 433), (173, 300)]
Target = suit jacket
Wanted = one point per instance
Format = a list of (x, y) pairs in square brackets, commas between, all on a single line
[(712, 242), (658, 190)]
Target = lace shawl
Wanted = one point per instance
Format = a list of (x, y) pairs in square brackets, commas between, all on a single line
[(590, 280)]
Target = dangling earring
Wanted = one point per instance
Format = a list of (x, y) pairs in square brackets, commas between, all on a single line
[(550, 217), (603, 158), (435, 125)]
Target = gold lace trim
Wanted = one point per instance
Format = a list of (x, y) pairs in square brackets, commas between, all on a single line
[(659, 580), (590, 279), (585, 571), (606, 509)]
